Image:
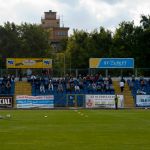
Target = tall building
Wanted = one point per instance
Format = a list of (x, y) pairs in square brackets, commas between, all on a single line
[(52, 23)]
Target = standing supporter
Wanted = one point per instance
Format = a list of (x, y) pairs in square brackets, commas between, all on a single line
[(80, 80), (60, 87), (98, 87), (9, 78), (121, 85), (29, 72), (90, 88), (33, 78), (92, 78), (107, 88), (102, 87), (142, 82), (46, 82), (94, 86), (42, 88), (131, 84), (106, 84), (109, 79), (116, 102), (77, 88), (111, 88), (20, 74), (12, 78), (3, 88), (72, 86), (133, 78), (8, 87), (100, 78), (68, 88), (50, 86), (123, 80), (66, 78), (88, 77), (96, 78)]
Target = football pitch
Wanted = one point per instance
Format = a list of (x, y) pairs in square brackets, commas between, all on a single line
[(75, 129)]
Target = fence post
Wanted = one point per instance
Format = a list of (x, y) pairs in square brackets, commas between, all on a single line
[(121, 72), (1, 72), (89, 71), (106, 72), (136, 72), (76, 73)]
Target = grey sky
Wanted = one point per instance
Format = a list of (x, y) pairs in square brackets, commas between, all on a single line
[(78, 14)]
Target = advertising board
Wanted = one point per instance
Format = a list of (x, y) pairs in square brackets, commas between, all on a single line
[(6, 101), (29, 63), (103, 101), (25, 101), (111, 63), (143, 100)]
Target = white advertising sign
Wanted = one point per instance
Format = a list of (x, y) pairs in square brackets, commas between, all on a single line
[(143, 100), (103, 101)]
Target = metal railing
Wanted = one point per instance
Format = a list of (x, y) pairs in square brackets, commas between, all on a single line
[(137, 72)]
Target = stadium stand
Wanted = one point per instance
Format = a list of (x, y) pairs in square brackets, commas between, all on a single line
[(62, 87), (7, 85), (80, 85), (139, 86)]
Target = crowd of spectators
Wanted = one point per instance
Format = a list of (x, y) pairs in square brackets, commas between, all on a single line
[(82, 84), (139, 86), (7, 84)]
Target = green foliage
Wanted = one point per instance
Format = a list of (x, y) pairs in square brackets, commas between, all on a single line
[(25, 40), (128, 41), (82, 46)]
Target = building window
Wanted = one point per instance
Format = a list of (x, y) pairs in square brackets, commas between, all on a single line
[(61, 33)]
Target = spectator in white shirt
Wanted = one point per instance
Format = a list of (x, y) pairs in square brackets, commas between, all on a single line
[(121, 86), (42, 88), (77, 88)]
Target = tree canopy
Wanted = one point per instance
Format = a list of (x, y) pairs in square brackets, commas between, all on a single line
[(127, 40), (26, 40)]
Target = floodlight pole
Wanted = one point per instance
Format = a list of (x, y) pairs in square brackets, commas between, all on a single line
[(64, 64)]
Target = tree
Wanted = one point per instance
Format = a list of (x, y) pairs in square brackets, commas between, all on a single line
[(123, 44), (25, 40), (83, 45)]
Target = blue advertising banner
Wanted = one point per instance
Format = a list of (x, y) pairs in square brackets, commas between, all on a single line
[(24, 101), (111, 63)]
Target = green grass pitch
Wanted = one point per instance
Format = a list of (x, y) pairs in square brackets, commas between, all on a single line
[(75, 130)]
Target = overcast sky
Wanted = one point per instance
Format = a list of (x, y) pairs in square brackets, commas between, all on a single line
[(77, 14)]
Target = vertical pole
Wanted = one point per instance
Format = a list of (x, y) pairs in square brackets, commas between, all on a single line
[(16, 74), (106, 72), (76, 73), (64, 65), (121, 72), (89, 71), (76, 102), (0, 72), (136, 72), (70, 64), (1, 65)]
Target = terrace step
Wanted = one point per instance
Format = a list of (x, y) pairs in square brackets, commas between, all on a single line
[(22, 88), (128, 98)]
